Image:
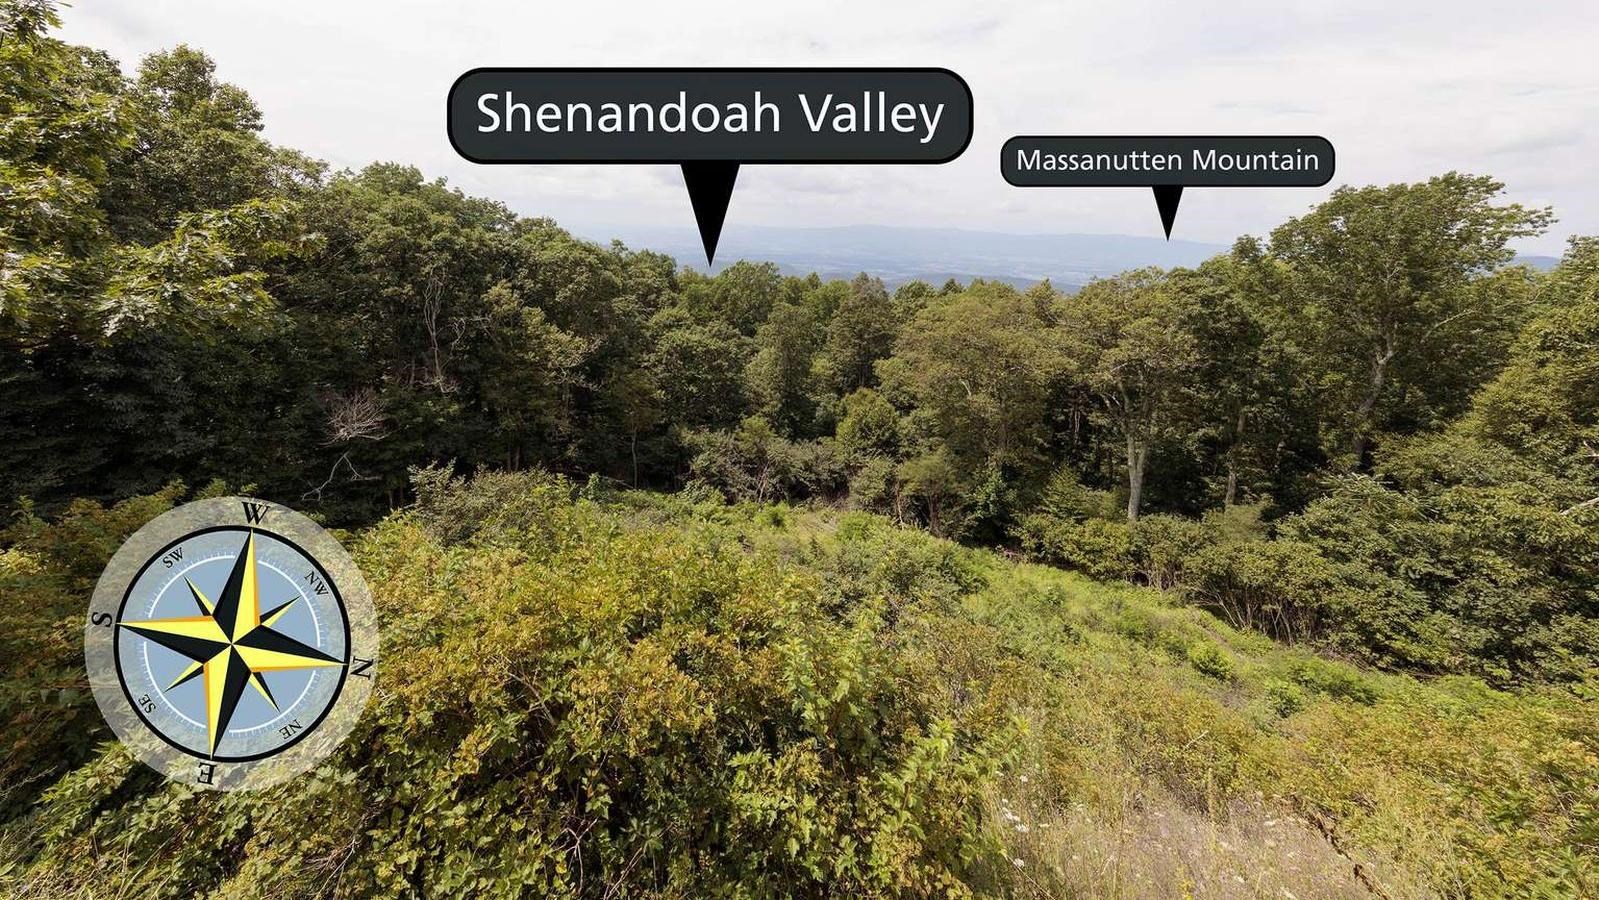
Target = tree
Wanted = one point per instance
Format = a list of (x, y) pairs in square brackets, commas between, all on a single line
[(741, 295), (530, 367), (1537, 422), (1250, 403), (699, 369), (977, 367), (65, 118), (779, 377), (196, 145), (1131, 342), (870, 425), (860, 333), (1389, 297)]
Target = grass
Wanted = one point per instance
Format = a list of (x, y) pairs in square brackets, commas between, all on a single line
[(1176, 755)]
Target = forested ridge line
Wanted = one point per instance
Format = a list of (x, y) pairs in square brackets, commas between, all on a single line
[(1367, 430)]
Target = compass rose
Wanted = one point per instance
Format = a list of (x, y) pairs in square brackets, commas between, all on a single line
[(231, 643)]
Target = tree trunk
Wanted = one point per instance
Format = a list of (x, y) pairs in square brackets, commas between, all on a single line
[(1379, 374), (1231, 496), (1137, 455)]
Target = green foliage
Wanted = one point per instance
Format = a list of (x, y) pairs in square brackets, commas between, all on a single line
[(1483, 580), (570, 709), (1163, 544), (755, 463), (1095, 547), (1285, 588), (832, 713), (978, 367), (47, 570), (1210, 660), (208, 276), (780, 376), (195, 147), (870, 425), (1393, 300), (182, 299), (1134, 350), (62, 119), (859, 333), (580, 702)]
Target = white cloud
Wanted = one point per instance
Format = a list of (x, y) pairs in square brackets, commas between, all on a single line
[(1402, 93)]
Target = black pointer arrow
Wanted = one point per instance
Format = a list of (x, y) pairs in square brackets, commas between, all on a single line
[(1167, 196), (710, 187)]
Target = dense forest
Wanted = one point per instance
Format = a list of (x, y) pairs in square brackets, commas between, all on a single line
[(1369, 433)]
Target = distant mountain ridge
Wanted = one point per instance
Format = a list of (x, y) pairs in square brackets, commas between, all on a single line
[(898, 254)]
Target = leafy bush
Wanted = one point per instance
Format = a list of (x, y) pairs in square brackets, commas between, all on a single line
[(499, 504), (873, 486), (1161, 546), (564, 709), (1283, 588), (1486, 580), (897, 565), (1095, 547), (1210, 660), (638, 697), (47, 572), (756, 463)]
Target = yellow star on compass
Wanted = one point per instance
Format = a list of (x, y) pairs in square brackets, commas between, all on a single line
[(231, 644)]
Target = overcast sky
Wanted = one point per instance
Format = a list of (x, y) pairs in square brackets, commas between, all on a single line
[(1403, 90)]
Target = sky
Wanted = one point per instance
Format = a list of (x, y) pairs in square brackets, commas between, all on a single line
[(1403, 91)]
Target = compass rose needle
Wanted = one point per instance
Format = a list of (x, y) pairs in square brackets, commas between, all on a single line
[(194, 669), (275, 613), (200, 599), (265, 650), (225, 677), (238, 609), (261, 688), (197, 637)]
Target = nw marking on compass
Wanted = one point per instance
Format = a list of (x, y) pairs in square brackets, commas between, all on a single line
[(231, 644)]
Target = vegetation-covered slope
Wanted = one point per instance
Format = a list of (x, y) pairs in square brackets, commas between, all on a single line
[(639, 694)]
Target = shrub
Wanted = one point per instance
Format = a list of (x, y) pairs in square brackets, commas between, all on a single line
[(1210, 660), (566, 708), (1284, 588), (1285, 697), (1095, 547), (1489, 580), (1331, 680), (498, 504), (753, 462), (1161, 546), (873, 486), (902, 565), (47, 572)]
